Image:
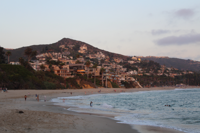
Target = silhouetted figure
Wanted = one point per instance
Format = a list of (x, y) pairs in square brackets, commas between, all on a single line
[(25, 97), (91, 104)]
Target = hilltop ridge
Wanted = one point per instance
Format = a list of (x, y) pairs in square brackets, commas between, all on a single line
[(41, 48), (180, 64), (74, 46)]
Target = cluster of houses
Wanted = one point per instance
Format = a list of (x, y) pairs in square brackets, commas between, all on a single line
[(113, 71), (163, 70)]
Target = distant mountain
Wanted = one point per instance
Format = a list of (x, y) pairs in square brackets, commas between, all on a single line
[(54, 47), (180, 64)]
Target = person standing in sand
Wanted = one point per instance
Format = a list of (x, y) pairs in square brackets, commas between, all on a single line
[(25, 97)]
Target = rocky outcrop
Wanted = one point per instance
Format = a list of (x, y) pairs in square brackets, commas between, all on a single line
[(85, 84), (109, 84)]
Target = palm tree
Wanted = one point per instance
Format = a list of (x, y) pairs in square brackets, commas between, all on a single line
[(87, 65), (21, 61), (34, 53), (77, 56), (95, 67), (29, 53), (8, 53), (102, 71), (61, 65), (42, 67), (77, 62), (2, 57)]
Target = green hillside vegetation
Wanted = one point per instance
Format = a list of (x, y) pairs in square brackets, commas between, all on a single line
[(25, 77), (18, 77), (2, 55)]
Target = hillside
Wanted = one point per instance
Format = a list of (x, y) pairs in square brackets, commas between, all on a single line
[(19, 77), (54, 47), (180, 64)]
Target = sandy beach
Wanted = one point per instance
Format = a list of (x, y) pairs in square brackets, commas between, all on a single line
[(45, 117)]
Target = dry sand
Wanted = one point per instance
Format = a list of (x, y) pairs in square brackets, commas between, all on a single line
[(44, 117)]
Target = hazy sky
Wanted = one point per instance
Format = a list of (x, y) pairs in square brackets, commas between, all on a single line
[(130, 27)]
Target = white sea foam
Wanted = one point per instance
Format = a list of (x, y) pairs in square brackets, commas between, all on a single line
[(106, 105), (186, 89)]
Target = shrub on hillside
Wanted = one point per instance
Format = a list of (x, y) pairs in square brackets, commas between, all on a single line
[(114, 85), (49, 85), (72, 83), (16, 70)]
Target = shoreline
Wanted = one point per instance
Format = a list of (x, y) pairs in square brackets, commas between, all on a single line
[(13, 100)]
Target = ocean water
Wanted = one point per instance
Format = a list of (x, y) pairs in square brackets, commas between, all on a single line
[(144, 108)]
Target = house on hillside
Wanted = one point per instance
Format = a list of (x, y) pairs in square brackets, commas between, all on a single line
[(113, 77), (80, 59), (71, 46), (131, 62), (190, 72), (65, 53), (134, 58), (41, 57), (62, 46), (123, 69), (134, 72), (62, 71), (77, 69), (36, 65), (106, 66), (66, 61), (83, 49), (14, 63), (100, 55), (92, 56), (118, 60)]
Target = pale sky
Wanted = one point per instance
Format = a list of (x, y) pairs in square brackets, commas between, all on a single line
[(129, 27)]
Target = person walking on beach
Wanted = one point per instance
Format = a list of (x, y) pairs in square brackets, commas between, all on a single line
[(45, 98), (25, 97), (91, 104), (38, 98), (63, 100)]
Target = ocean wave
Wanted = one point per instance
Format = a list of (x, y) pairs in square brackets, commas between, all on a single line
[(143, 108)]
